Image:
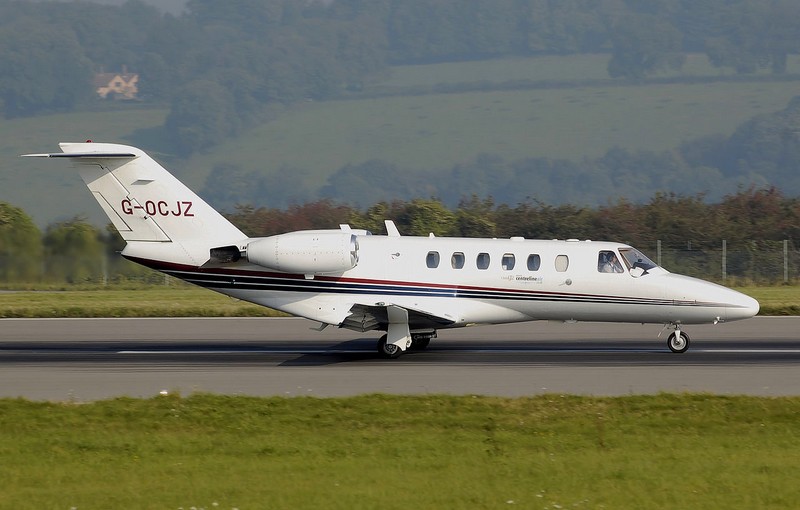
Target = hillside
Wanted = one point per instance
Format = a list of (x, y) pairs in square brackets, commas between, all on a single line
[(436, 131), (414, 118)]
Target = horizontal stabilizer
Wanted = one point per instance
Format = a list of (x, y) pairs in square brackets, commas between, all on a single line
[(83, 155)]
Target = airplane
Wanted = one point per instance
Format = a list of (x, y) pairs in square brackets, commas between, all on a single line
[(405, 286)]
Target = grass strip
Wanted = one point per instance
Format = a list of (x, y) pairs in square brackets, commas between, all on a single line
[(172, 301), (778, 300), (181, 300), (548, 452)]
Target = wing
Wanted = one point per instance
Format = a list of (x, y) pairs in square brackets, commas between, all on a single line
[(368, 317)]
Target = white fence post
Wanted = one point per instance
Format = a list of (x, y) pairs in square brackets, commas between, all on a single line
[(785, 261), (724, 260), (658, 252)]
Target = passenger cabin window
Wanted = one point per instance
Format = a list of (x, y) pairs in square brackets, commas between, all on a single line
[(432, 260), (457, 260), (607, 262), (508, 261), (482, 261), (534, 262), (562, 263)]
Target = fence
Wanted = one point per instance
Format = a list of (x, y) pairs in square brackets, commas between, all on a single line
[(748, 262), (729, 263), (99, 269)]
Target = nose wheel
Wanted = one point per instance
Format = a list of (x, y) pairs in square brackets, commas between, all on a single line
[(678, 341)]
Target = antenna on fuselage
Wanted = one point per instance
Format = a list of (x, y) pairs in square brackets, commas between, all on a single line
[(391, 228)]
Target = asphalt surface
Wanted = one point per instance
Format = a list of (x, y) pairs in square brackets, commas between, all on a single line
[(89, 359)]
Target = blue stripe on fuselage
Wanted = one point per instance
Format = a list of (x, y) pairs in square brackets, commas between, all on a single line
[(226, 278)]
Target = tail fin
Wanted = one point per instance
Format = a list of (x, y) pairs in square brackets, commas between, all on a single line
[(144, 201)]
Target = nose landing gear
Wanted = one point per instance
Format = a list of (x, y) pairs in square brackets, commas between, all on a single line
[(677, 341)]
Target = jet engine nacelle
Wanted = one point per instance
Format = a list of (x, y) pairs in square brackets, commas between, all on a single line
[(306, 252)]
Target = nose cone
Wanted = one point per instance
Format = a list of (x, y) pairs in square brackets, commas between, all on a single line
[(701, 301), (740, 306)]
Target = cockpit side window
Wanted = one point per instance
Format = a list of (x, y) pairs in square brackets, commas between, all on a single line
[(607, 262), (634, 258)]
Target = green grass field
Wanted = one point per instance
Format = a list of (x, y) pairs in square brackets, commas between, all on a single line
[(177, 300), (545, 452), (549, 67), (779, 300)]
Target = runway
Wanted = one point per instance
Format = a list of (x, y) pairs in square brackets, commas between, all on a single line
[(90, 359)]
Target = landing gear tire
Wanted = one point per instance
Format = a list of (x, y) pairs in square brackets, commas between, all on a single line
[(678, 342), (387, 350)]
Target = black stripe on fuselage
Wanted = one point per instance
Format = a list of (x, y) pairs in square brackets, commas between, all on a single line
[(229, 279)]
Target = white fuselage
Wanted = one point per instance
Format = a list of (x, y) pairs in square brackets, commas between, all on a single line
[(404, 271)]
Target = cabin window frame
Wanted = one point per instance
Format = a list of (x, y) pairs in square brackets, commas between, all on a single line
[(561, 263), (483, 261), (458, 260), (537, 259), (508, 261), (432, 259)]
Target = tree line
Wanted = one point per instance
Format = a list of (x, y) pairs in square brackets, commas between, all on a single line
[(219, 65), (750, 220), (747, 215)]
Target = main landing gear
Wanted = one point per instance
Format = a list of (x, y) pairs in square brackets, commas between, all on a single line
[(419, 342), (677, 341)]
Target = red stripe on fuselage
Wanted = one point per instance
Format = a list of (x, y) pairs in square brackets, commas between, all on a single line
[(170, 266)]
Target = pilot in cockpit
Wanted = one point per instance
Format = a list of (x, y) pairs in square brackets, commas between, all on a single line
[(608, 263)]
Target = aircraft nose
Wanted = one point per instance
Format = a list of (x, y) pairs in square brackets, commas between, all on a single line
[(741, 306), (714, 302)]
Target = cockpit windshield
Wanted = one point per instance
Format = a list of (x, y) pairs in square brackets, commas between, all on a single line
[(634, 258)]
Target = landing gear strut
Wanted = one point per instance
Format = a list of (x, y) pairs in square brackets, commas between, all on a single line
[(398, 336)]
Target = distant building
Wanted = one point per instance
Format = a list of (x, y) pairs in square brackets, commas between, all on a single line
[(116, 85)]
